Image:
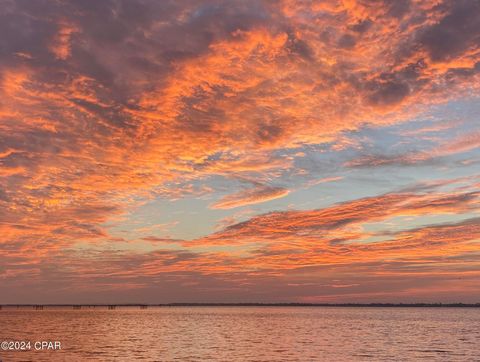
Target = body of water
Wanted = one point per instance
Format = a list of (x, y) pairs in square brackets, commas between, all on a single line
[(244, 334)]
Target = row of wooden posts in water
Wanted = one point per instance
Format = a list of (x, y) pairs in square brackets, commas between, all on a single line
[(75, 307)]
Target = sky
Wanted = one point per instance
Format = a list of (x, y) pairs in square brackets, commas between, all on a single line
[(239, 151)]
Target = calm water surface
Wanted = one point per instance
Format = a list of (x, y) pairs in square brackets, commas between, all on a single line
[(247, 334)]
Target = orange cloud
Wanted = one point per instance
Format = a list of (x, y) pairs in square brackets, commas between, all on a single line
[(61, 46), (429, 258), (251, 196), (333, 221)]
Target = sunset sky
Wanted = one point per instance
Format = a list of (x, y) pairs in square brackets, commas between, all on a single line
[(239, 151)]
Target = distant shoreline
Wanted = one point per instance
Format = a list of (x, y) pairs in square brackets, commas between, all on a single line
[(144, 306)]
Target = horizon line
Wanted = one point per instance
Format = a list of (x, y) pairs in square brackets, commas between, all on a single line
[(243, 304)]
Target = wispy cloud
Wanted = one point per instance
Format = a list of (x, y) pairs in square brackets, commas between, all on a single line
[(250, 196)]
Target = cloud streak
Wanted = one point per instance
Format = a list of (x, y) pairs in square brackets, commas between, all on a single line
[(250, 196)]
